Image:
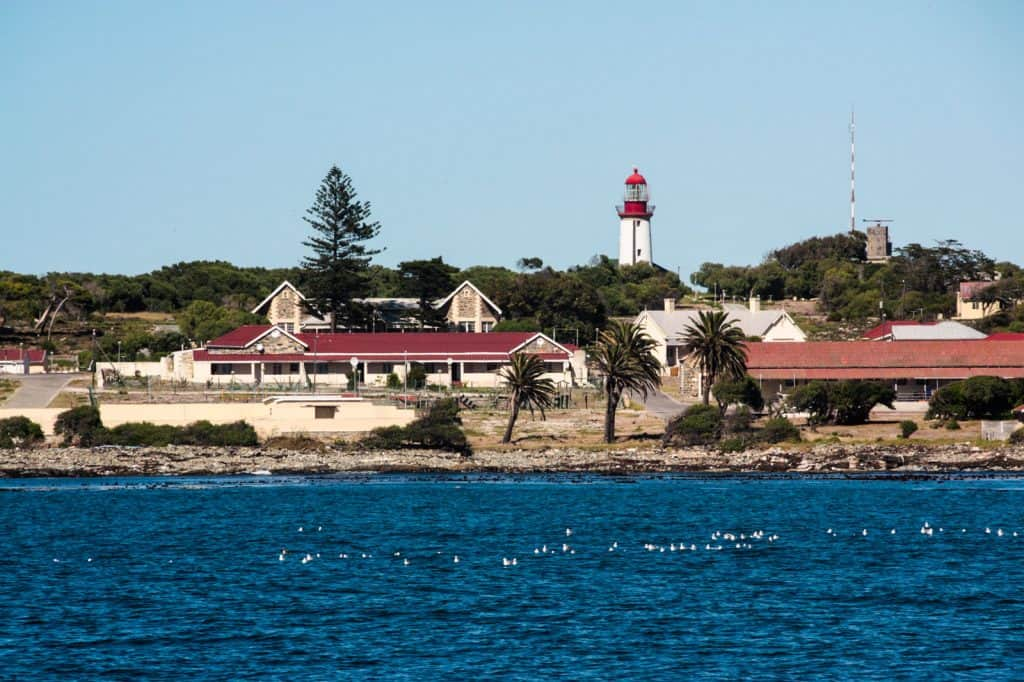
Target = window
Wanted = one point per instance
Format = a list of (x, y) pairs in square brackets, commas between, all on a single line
[(488, 326), (293, 368), (469, 327), (324, 411), (287, 326), (553, 367), (220, 368)]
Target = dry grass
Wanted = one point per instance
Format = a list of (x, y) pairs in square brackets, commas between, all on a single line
[(66, 400), (576, 427), (7, 387), (144, 316)]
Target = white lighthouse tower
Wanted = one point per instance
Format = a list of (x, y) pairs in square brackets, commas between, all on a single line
[(635, 222)]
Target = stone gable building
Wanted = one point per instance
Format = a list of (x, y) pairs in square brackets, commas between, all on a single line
[(466, 309)]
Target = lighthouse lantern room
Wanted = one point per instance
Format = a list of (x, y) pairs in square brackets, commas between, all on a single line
[(635, 222)]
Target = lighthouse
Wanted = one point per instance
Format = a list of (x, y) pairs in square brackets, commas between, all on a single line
[(635, 222)]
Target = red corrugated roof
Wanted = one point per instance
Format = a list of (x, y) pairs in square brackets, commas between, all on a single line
[(35, 355), (377, 346), (854, 360), (1006, 336)]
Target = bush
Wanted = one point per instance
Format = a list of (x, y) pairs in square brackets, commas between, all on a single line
[(440, 428), (698, 425), (735, 444), (198, 433), (743, 391), (16, 432), (952, 425), (393, 381), (1017, 437), (907, 428), (840, 402), (80, 426), (983, 397), (417, 376), (738, 421), (778, 430)]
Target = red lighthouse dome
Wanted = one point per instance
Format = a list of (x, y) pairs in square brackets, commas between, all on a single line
[(636, 198), (636, 178)]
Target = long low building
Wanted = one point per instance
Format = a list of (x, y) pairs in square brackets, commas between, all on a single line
[(915, 369), (267, 354), (23, 361)]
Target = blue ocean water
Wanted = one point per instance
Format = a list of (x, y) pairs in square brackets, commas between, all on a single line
[(183, 578)]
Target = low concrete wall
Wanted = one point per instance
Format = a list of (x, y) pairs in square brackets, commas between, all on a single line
[(268, 420)]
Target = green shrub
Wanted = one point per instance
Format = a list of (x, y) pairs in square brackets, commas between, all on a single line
[(201, 433), (907, 428), (80, 426), (1017, 437), (19, 432), (743, 391), (393, 381), (840, 402), (778, 430), (983, 397), (738, 421), (952, 425), (139, 433), (699, 425), (440, 428), (417, 376), (734, 444)]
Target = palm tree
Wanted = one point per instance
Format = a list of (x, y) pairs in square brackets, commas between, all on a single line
[(530, 388), (718, 346), (624, 354)]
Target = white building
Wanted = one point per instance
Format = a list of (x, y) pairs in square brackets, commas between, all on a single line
[(667, 327)]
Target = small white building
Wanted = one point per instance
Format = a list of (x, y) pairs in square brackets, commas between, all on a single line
[(667, 327), (23, 361)]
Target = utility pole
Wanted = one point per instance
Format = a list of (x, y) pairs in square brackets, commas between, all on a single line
[(853, 200)]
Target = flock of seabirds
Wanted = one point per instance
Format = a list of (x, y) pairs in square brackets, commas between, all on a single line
[(719, 541)]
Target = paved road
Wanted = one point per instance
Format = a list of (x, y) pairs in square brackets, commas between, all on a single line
[(37, 390), (660, 405)]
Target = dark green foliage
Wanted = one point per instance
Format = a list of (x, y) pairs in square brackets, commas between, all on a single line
[(840, 402), (699, 425), (19, 432), (440, 428), (202, 321), (907, 428), (336, 272), (1017, 437), (982, 397), (952, 425), (427, 281), (80, 426), (917, 279), (778, 430), (742, 391), (417, 376), (394, 382), (717, 345), (738, 421), (201, 433)]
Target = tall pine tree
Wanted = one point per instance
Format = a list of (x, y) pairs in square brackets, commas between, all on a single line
[(336, 272)]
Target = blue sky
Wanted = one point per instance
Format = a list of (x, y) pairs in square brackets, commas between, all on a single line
[(136, 135)]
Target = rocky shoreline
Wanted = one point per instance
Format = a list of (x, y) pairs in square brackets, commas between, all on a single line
[(825, 459)]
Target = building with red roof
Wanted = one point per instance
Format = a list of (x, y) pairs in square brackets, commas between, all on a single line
[(259, 354), (23, 360), (914, 369)]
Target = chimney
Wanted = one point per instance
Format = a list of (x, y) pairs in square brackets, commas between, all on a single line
[(670, 305), (755, 304)]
